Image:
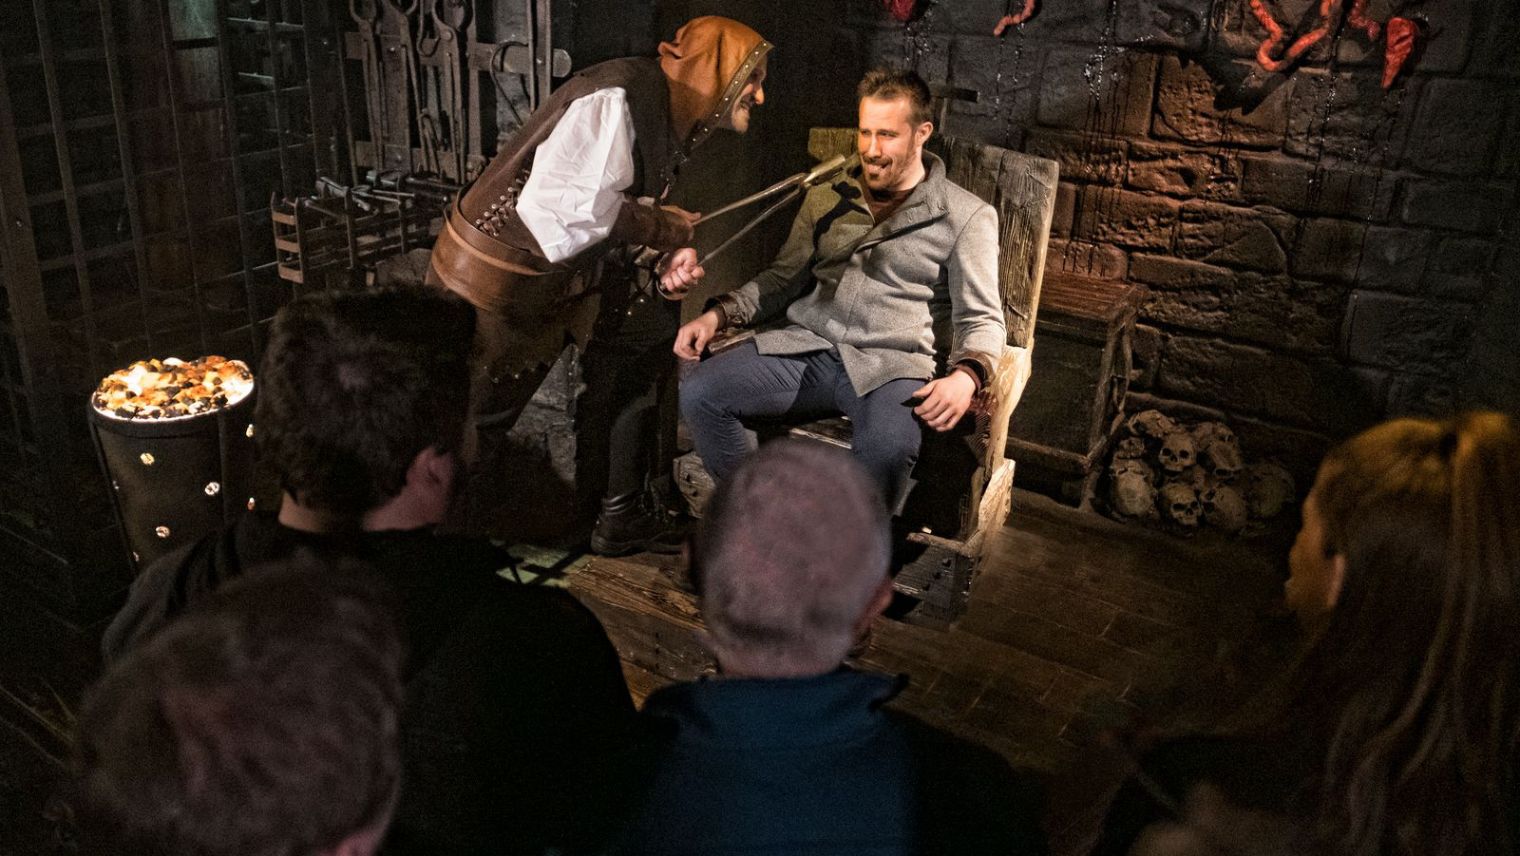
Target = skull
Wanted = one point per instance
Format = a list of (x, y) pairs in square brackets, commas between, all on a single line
[(1129, 447), (1179, 502), (1129, 488), (1218, 450), (1177, 451), (1224, 507), (1269, 487), (1150, 423)]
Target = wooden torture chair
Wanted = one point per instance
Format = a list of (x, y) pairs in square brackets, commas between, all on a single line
[(963, 478)]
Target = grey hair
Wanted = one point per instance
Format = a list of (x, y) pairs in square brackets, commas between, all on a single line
[(792, 550)]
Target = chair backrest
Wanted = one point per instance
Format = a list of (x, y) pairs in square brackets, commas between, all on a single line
[(1021, 187)]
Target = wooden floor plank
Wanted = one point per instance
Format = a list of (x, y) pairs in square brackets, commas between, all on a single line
[(1076, 627)]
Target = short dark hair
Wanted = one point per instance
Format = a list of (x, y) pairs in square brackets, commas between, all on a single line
[(266, 722), (791, 551), (886, 83), (354, 384)]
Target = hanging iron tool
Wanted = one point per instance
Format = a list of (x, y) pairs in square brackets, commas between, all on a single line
[(366, 13), (403, 10), (451, 18)]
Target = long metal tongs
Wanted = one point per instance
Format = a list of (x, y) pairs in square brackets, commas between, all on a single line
[(791, 188)]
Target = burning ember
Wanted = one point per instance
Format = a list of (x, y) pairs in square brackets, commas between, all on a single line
[(172, 388)]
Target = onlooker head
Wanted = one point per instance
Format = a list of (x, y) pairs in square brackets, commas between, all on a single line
[(791, 561), (364, 401), (264, 723), (1409, 559), (895, 122)]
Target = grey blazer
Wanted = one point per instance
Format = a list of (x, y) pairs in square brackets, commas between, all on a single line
[(902, 298)]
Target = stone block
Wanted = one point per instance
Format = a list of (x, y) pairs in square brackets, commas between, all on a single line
[(1240, 34), (1080, 21), (1408, 334), (1304, 392), (1182, 171), (1275, 311), (1255, 238), (1175, 25), (1496, 48), (1145, 355), (1465, 289), (969, 17), (1065, 210), (1101, 261), (1466, 207), (1329, 249), (914, 46), (1125, 218), (1457, 127), (1185, 110), (1471, 257), (1348, 115), (1507, 163), (1102, 93), (1083, 157), (1006, 130), (1316, 188), (1450, 33), (1394, 259), (1004, 77), (1421, 395)]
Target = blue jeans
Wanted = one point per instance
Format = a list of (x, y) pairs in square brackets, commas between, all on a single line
[(740, 384)]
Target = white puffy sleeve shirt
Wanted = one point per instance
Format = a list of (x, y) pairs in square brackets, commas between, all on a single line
[(579, 174)]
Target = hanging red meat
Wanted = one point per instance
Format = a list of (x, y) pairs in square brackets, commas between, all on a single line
[(902, 10), (1013, 20), (1402, 35), (1276, 34), (1357, 17)]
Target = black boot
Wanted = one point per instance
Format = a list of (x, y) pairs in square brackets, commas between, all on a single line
[(628, 525)]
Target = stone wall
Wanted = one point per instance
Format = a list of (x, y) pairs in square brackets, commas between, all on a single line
[(1328, 257)]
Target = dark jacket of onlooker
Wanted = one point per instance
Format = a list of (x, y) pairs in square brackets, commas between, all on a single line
[(819, 766), (1260, 789), (514, 697)]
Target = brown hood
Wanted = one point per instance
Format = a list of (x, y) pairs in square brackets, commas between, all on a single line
[(707, 65)]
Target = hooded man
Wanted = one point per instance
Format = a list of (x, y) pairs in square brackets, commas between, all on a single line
[(545, 241)]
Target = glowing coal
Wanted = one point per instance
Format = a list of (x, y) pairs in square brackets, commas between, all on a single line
[(172, 388)]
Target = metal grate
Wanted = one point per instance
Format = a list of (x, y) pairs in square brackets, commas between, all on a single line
[(140, 144)]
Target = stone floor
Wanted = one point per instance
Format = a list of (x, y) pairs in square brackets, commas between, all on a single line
[(1078, 629)]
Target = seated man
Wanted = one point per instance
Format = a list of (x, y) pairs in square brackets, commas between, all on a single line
[(885, 273), (267, 722), (787, 751), (513, 692)]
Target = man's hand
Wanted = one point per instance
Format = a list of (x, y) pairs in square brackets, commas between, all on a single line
[(694, 335), (679, 271), (945, 400)]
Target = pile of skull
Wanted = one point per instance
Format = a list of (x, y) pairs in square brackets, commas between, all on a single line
[(1182, 476)]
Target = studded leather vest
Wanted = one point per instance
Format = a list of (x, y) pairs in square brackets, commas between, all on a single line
[(487, 254)]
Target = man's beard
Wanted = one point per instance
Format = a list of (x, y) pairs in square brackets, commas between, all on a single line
[(884, 179)]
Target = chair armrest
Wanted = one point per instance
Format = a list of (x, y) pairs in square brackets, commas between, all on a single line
[(999, 398)]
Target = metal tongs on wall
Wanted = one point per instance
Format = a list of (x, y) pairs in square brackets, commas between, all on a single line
[(791, 188)]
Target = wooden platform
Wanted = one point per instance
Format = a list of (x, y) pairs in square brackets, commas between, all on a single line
[(1078, 627)]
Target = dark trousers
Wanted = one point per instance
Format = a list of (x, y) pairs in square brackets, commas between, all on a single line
[(741, 383), (623, 367)]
